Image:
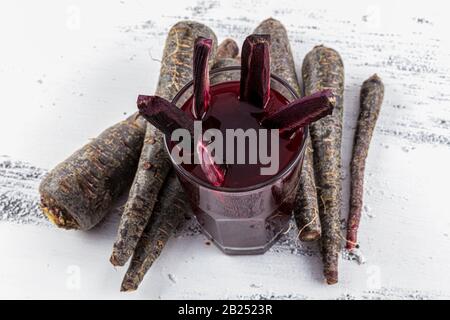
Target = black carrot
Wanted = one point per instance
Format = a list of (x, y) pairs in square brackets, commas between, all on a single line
[(168, 214), (164, 115), (228, 49), (282, 64), (371, 99), (154, 164), (226, 56), (202, 97), (255, 70), (323, 69), (301, 112), (80, 191)]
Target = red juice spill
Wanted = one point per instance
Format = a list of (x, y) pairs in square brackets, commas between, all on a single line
[(226, 111)]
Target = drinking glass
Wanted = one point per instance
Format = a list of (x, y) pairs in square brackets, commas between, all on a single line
[(243, 220)]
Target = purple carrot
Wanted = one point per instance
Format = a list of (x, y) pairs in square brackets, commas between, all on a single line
[(255, 70), (228, 49), (167, 117), (163, 114), (301, 112), (202, 97), (371, 99)]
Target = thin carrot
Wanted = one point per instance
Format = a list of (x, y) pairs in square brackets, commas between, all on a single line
[(371, 99)]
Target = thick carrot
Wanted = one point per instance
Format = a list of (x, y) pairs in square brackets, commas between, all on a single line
[(80, 191), (282, 64), (371, 99), (154, 164), (323, 69)]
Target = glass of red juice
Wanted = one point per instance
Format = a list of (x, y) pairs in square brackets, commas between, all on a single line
[(247, 213)]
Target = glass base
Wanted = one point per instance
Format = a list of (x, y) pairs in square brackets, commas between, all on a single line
[(253, 250)]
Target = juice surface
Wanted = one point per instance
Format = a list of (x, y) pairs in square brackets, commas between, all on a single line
[(226, 111)]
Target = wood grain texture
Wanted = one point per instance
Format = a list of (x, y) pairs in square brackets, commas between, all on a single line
[(106, 65)]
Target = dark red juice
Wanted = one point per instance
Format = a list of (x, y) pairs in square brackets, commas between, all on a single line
[(248, 212), (228, 112)]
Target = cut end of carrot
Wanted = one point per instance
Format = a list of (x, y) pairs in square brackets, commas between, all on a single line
[(202, 97), (56, 216), (163, 114), (255, 70), (143, 101)]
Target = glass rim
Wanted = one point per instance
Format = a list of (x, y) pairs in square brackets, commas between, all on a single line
[(260, 185)]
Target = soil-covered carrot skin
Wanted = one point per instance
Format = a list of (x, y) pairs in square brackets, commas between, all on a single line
[(227, 55), (154, 163), (81, 190), (227, 58), (225, 62), (228, 48), (323, 69), (281, 58), (306, 212), (168, 214), (282, 64), (371, 99), (227, 76)]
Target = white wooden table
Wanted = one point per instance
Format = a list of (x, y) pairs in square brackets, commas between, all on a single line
[(69, 71)]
